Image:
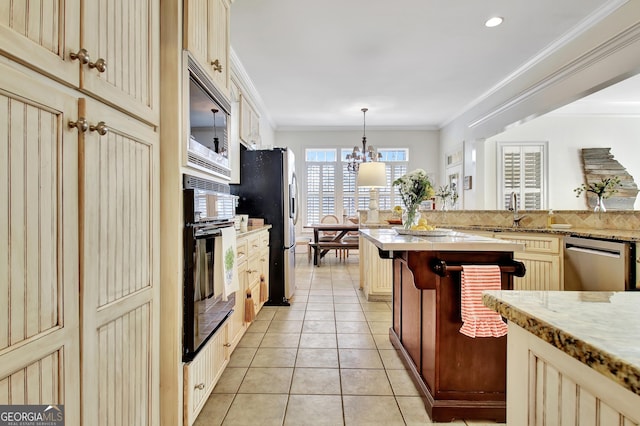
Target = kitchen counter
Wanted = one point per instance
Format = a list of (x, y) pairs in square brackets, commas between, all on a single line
[(251, 230), (390, 240), (599, 329), (573, 357), (608, 234)]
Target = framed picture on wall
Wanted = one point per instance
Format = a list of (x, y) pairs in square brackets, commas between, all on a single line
[(467, 182)]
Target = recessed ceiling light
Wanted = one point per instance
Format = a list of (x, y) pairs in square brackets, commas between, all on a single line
[(493, 22)]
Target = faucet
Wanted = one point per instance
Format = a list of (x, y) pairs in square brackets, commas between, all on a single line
[(513, 206)]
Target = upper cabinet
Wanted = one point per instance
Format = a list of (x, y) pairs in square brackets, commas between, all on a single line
[(249, 123), (206, 36), (107, 51)]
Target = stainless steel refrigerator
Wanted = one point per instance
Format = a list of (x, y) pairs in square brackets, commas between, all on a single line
[(268, 189)]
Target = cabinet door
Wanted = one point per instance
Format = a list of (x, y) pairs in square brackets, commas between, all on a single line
[(42, 34), (201, 375), (543, 272), (249, 122), (120, 269), (206, 36), (126, 36), (196, 35), (39, 336), (219, 44)]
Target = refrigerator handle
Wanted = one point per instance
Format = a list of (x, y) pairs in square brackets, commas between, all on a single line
[(294, 198)]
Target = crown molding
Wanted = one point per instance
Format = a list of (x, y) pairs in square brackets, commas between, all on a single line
[(241, 78), (589, 59), (596, 17)]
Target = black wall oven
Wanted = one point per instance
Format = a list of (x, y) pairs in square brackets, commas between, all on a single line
[(207, 209)]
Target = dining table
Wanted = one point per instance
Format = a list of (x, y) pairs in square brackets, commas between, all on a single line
[(336, 238)]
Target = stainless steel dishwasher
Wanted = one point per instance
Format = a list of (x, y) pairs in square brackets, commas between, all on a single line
[(598, 265)]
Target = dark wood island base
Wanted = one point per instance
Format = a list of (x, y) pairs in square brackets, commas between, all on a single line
[(459, 377)]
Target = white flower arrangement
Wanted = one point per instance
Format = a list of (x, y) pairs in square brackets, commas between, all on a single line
[(414, 187)]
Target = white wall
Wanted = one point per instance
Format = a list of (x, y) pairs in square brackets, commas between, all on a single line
[(567, 136), (602, 55), (423, 146)]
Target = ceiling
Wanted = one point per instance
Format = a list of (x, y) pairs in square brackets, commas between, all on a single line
[(413, 63)]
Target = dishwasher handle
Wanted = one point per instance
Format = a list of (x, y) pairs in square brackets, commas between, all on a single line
[(598, 252)]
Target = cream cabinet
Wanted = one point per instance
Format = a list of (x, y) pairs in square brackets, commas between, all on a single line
[(39, 250), (119, 193), (547, 386), (202, 374), (249, 122), (543, 258), (82, 102), (109, 50), (376, 274), (206, 36), (236, 322)]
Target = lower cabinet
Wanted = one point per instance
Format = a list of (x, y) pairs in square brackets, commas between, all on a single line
[(201, 374), (543, 258), (376, 274), (547, 386)]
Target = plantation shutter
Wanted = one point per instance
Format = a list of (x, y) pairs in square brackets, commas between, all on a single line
[(349, 207), (522, 169), (321, 182)]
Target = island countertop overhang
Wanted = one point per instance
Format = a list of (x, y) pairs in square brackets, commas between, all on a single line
[(596, 328), (390, 240)]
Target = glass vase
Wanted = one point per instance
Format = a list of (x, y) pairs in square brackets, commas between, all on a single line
[(410, 217), (600, 207)]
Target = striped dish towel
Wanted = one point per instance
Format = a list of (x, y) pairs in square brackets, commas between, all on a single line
[(478, 320)]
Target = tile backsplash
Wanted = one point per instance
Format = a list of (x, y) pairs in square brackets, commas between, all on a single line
[(533, 219)]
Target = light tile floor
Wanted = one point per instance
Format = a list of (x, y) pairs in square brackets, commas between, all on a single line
[(324, 360)]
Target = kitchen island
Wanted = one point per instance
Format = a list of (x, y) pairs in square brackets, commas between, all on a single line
[(573, 357), (458, 376)]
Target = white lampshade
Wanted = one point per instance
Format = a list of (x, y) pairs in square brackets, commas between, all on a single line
[(372, 175)]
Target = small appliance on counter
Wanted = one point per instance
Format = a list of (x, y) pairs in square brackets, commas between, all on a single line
[(268, 190)]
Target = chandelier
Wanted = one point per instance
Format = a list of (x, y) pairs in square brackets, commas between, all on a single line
[(367, 154)]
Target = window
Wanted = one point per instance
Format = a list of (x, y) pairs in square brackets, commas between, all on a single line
[(331, 188), (321, 183), (522, 168)]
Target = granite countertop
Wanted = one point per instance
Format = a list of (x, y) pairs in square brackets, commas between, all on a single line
[(390, 240), (599, 329), (608, 234), (252, 230)]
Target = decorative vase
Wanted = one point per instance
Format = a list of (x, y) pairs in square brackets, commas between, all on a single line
[(600, 207), (410, 217)]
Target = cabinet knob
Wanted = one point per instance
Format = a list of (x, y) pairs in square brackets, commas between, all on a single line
[(81, 124), (100, 65), (199, 386), (227, 345), (217, 66), (82, 55), (101, 128)]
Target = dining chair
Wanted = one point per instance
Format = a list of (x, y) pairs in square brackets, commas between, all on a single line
[(352, 235), (329, 235)]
